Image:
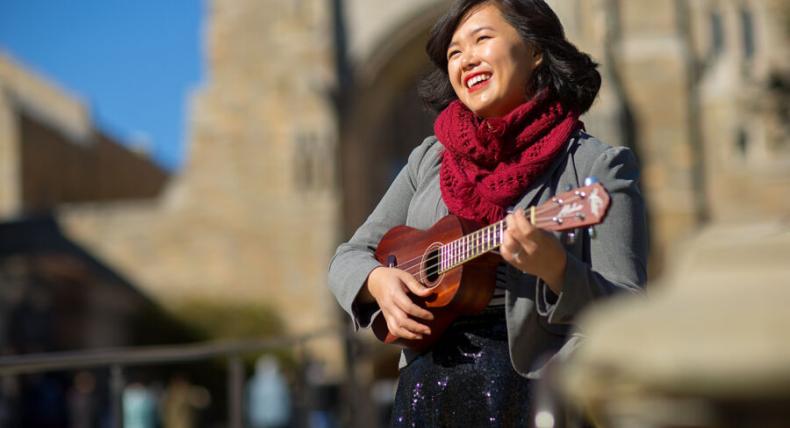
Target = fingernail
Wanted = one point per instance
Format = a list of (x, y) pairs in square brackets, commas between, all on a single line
[(419, 337)]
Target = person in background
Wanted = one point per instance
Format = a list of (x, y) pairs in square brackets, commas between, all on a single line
[(139, 406), (268, 396)]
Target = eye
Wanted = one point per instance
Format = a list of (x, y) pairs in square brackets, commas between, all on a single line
[(452, 53), (483, 37)]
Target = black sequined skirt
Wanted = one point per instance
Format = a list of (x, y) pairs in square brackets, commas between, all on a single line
[(466, 380)]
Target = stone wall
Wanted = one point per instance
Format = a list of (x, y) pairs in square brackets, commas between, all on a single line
[(252, 217), (9, 157), (744, 93)]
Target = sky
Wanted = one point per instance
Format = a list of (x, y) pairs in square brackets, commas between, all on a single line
[(134, 63)]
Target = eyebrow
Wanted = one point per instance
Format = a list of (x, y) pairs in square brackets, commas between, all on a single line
[(472, 33)]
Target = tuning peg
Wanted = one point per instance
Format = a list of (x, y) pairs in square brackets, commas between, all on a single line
[(570, 237), (590, 181), (591, 232)]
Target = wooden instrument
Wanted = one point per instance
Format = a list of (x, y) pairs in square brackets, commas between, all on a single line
[(455, 259)]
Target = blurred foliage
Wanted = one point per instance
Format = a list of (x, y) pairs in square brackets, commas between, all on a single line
[(154, 326), (222, 320), (200, 320), (215, 320)]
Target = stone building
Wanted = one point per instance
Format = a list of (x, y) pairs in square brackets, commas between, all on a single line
[(55, 295), (696, 88), (250, 221), (43, 128), (310, 108)]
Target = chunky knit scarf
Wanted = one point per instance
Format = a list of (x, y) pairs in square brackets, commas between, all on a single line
[(489, 163)]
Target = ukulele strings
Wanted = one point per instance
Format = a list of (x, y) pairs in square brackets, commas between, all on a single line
[(410, 264), (415, 262), (430, 267)]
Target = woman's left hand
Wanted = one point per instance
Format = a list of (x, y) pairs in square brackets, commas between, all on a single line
[(534, 250)]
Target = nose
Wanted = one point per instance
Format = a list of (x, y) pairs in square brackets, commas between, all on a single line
[(469, 60)]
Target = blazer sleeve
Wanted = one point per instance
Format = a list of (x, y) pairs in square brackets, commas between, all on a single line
[(615, 258), (353, 261)]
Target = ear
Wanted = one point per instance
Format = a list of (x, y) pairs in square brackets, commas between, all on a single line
[(537, 58)]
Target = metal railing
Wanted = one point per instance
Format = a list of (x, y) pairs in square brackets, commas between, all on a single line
[(118, 359)]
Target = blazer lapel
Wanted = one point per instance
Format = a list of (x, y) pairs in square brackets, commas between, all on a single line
[(531, 197)]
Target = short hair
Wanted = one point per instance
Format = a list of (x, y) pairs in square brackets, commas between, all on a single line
[(569, 74)]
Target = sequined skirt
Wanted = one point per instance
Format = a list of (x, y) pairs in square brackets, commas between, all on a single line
[(465, 380)]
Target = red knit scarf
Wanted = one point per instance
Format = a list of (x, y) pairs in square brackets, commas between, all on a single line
[(489, 163)]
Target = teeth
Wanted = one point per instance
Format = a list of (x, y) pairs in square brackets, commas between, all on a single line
[(477, 79)]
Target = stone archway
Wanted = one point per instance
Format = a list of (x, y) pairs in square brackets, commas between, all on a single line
[(385, 118)]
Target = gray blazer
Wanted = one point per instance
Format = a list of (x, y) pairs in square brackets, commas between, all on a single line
[(538, 322)]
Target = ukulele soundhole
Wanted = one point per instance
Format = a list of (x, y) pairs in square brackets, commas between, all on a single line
[(431, 269)]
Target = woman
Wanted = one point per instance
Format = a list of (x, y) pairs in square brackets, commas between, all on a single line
[(510, 89)]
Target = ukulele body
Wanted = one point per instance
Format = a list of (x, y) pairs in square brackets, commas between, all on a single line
[(463, 290)]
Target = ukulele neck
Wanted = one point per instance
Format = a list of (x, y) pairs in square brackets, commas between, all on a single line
[(581, 207), (474, 245)]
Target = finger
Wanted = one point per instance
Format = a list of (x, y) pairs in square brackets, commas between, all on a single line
[(406, 305), (526, 230), (403, 326), (413, 326), (392, 316), (510, 245), (525, 234), (415, 286), (398, 331), (523, 225), (406, 334)]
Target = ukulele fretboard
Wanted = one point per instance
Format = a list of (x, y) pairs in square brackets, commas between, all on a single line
[(468, 247)]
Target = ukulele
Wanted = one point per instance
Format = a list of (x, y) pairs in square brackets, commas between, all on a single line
[(454, 258)]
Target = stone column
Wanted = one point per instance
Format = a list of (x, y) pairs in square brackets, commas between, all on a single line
[(10, 198)]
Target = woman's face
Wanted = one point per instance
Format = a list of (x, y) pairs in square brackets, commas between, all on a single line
[(488, 63)]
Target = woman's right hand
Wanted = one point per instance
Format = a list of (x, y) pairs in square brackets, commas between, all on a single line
[(390, 288)]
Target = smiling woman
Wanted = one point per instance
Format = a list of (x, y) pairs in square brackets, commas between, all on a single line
[(488, 63), (509, 89)]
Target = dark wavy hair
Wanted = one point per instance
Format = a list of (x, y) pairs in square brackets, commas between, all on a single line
[(569, 74)]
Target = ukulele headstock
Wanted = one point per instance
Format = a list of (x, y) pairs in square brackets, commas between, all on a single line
[(583, 206)]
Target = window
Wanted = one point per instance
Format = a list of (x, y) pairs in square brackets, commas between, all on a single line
[(716, 34), (747, 33), (742, 142)]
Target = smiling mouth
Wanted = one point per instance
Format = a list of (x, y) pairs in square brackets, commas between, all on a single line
[(477, 81)]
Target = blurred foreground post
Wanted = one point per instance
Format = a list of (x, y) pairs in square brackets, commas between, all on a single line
[(707, 348), (235, 392), (116, 394)]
